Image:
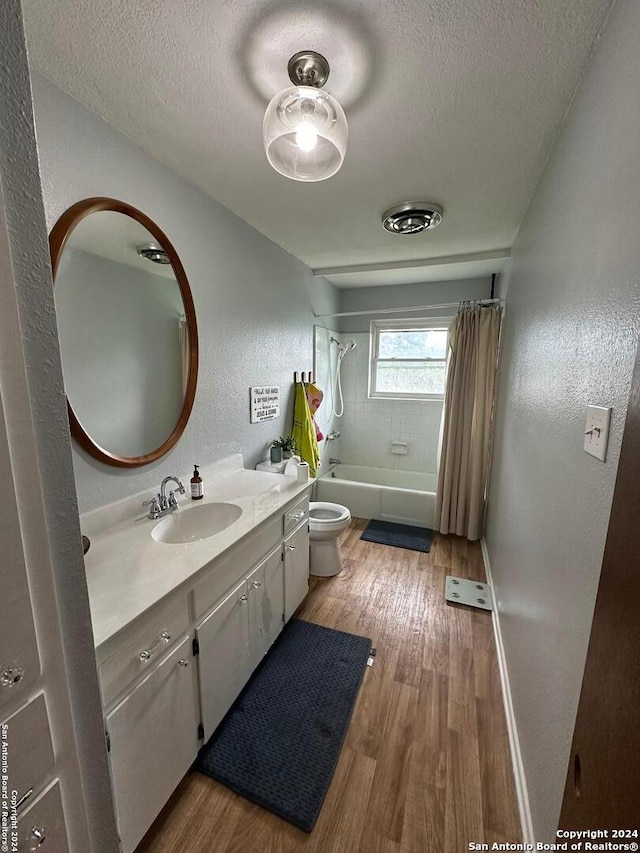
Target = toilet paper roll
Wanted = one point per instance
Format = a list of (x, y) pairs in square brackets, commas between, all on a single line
[(303, 472)]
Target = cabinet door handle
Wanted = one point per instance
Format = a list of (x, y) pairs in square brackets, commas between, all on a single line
[(296, 516), (162, 639), (291, 547), (12, 676), (257, 584), (244, 598), (183, 663)]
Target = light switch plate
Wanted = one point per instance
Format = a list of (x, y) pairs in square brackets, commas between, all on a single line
[(596, 434)]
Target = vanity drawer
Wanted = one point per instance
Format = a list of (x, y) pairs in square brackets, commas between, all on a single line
[(142, 650), (30, 750), (295, 515)]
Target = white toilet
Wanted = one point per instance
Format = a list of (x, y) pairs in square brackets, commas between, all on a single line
[(326, 523)]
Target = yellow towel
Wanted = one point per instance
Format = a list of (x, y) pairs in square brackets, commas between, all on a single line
[(304, 431)]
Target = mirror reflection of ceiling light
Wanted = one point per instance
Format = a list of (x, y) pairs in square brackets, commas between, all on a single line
[(305, 129), (153, 252)]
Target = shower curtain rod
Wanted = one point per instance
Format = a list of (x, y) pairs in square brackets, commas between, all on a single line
[(414, 308)]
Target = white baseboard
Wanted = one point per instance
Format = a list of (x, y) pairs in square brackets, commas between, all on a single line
[(514, 744)]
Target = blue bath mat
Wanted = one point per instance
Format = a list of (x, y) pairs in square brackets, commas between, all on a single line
[(279, 744), (399, 535)]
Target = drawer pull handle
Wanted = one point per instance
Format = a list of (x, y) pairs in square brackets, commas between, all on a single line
[(183, 663), (257, 584), (244, 598), (37, 837), (291, 547), (23, 799), (296, 516), (12, 676), (163, 638)]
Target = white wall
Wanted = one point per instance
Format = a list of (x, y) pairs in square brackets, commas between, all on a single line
[(570, 335), (253, 301), (407, 296)]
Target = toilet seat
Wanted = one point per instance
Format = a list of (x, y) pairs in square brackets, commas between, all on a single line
[(327, 516)]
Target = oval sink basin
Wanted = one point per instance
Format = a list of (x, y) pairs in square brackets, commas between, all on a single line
[(198, 522)]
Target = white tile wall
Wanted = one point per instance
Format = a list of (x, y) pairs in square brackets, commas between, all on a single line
[(324, 361), (369, 426)]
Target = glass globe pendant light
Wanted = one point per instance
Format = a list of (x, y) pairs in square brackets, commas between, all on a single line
[(305, 129)]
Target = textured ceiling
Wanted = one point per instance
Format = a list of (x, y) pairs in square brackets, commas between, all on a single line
[(452, 101)]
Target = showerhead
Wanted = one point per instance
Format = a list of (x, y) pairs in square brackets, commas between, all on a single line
[(343, 347)]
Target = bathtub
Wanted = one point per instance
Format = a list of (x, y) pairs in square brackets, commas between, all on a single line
[(406, 497)]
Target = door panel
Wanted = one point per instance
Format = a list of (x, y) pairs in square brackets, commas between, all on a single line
[(154, 740), (296, 570), (42, 828), (603, 780), (224, 662), (266, 605), (31, 759)]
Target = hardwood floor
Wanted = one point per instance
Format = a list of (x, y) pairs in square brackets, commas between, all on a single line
[(426, 764)]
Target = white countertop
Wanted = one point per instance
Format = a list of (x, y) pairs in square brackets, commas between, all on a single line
[(128, 572)]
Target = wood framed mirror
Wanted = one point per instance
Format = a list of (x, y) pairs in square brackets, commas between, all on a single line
[(128, 332)]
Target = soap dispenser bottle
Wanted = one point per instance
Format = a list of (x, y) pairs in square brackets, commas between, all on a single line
[(197, 491)]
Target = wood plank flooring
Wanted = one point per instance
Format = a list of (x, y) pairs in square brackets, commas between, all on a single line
[(426, 764)]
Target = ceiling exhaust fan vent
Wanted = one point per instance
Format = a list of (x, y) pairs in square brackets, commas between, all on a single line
[(153, 252), (412, 217)]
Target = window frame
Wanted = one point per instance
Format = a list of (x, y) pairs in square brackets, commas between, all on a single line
[(377, 326)]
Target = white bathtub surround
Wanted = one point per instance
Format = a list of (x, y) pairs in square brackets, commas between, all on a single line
[(370, 426), (325, 359), (128, 572), (406, 497)]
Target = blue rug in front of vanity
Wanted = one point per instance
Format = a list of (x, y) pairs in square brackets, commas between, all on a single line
[(399, 535), (279, 744)]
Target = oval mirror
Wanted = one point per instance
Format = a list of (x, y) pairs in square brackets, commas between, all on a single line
[(128, 335)]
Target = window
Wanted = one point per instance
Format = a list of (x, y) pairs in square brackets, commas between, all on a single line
[(408, 359)]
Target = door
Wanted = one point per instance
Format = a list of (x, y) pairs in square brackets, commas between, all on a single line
[(296, 570), (153, 736), (19, 661), (266, 605), (603, 780), (224, 662)]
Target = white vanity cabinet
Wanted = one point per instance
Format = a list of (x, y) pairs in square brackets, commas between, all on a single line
[(153, 740), (170, 675)]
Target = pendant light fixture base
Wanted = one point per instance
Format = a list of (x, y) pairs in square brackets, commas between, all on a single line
[(308, 68)]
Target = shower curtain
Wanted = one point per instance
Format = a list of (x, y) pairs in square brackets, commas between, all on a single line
[(469, 394)]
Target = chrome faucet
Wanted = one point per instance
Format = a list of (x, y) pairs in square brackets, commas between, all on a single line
[(333, 435), (163, 504), (333, 461)]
